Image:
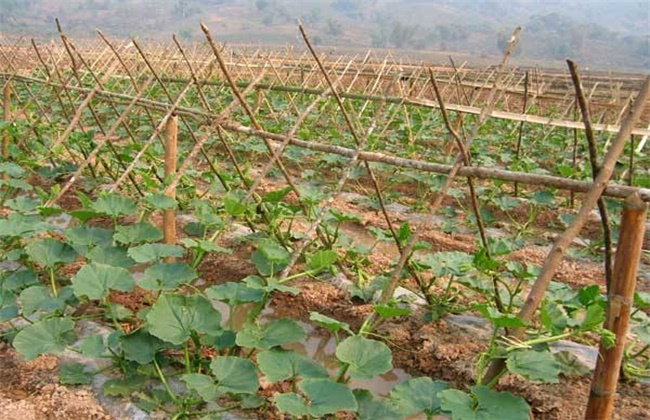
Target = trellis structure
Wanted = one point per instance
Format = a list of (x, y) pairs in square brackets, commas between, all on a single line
[(370, 112)]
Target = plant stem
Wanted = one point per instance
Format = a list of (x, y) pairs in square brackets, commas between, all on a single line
[(541, 340), (55, 292), (164, 381), (113, 316), (186, 351), (342, 372), (640, 352)]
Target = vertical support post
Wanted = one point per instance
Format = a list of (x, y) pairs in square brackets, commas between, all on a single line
[(628, 254), (630, 177), (258, 99), (171, 154), (6, 115)]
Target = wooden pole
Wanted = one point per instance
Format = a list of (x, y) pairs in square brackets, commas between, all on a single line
[(628, 254), (630, 176), (574, 157), (521, 128), (562, 243), (171, 154), (6, 115)]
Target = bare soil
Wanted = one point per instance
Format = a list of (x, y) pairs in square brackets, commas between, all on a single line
[(31, 391)]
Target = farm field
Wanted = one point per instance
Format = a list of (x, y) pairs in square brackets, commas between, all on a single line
[(195, 230)]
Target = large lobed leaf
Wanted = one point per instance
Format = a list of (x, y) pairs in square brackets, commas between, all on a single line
[(174, 317), (51, 335), (96, 280)]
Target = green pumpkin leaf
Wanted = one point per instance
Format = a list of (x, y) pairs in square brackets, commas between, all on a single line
[(452, 263), (118, 387), (89, 236), (543, 198), (459, 404), (594, 317), (137, 234), (75, 374), (234, 202), (224, 340), (391, 310), (140, 346), (371, 409), (49, 252), (270, 257), (269, 285), (292, 404), (417, 395), (570, 364), (19, 225), (96, 280), (204, 245), (51, 335), (114, 205), (367, 358), (93, 346), (279, 364), (39, 298), (167, 276), (276, 196), (235, 375), (498, 319), (174, 317), (330, 323), (204, 385), (234, 293), (20, 279), (12, 169), (483, 403), (536, 366), (160, 201), (83, 215), (111, 255), (275, 333), (152, 252), (554, 317), (327, 397), (23, 204), (642, 300), (322, 259), (248, 401)]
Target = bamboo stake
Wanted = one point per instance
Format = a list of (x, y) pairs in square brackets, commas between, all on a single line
[(574, 155), (593, 158), (6, 115), (621, 295), (521, 128), (630, 176), (563, 242), (171, 156)]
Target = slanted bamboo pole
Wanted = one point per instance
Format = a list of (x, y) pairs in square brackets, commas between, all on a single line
[(563, 242), (171, 156), (521, 128), (621, 295), (593, 159)]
